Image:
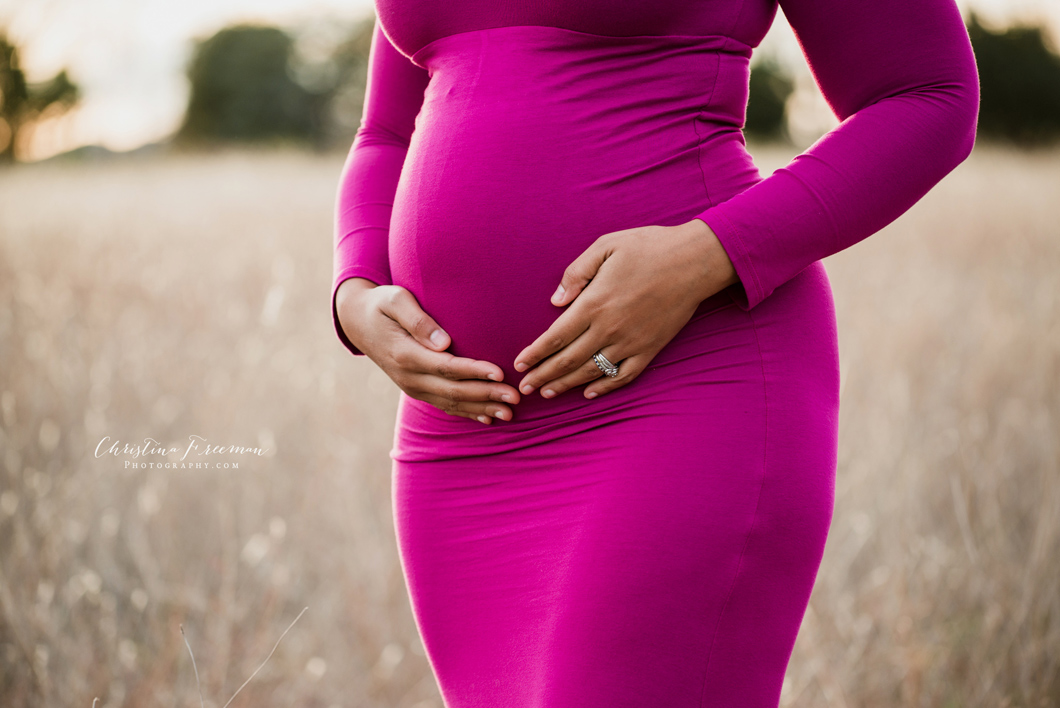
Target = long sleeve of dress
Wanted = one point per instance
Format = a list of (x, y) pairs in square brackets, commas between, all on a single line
[(393, 96), (902, 79)]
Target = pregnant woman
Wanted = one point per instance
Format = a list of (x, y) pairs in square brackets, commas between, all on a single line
[(615, 451)]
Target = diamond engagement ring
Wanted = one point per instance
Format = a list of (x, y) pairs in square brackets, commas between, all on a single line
[(604, 365)]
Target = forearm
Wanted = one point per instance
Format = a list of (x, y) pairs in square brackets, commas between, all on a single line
[(907, 91), (362, 219), (362, 211), (370, 175)]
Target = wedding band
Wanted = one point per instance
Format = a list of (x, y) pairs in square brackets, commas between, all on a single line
[(604, 365)]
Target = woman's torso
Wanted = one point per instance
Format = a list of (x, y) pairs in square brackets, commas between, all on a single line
[(547, 125)]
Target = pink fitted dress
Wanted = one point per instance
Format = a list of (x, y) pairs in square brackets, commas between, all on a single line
[(657, 545)]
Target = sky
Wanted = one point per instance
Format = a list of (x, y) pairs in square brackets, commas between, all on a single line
[(128, 56)]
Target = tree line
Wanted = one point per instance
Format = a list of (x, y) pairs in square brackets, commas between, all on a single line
[(1019, 80), (248, 85)]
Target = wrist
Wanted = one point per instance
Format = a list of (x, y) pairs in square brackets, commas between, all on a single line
[(715, 264), (351, 288), (347, 306)]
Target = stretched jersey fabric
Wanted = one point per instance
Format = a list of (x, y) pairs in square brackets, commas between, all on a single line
[(657, 545)]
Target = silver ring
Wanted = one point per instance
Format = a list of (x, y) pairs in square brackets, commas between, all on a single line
[(604, 365)]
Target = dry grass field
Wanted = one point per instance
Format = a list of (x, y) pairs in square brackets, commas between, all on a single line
[(165, 298)]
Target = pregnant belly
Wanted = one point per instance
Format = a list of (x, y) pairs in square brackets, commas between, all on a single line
[(532, 143)]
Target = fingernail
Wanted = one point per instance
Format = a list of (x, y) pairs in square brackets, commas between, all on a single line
[(558, 295), (483, 419), (507, 397), (501, 415), (493, 376), (591, 394), (520, 366), (527, 388), (437, 337)]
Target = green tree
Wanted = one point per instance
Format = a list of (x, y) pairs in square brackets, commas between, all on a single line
[(242, 89), (348, 67), (23, 104), (1019, 79), (768, 93)]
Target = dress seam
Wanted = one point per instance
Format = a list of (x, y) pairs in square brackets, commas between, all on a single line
[(710, 97), (695, 127), (412, 57), (754, 517)]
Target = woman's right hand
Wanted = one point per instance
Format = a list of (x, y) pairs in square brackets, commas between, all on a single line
[(388, 325)]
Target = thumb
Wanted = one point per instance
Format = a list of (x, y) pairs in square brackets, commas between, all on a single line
[(578, 274), (406, 311)]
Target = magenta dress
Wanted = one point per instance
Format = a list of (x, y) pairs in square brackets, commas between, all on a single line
[(655, 546)]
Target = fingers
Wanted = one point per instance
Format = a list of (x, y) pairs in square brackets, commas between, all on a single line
[(470, 399), (415, 359), (587, 372), (581, 270), (552, 384), (409, 345), (453, 384), (572, 364), (628, 369), (569, 326), (401, 306)]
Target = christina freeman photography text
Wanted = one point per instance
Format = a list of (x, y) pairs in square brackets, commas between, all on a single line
[(150, 453)]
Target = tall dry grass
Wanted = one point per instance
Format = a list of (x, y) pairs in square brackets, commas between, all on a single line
[(189, 296)]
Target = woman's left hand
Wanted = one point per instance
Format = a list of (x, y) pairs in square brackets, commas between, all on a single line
[(630, 293)]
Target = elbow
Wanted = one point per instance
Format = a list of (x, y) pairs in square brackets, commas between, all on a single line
[(963, 113), (953, 98), (966, 115), (951, 129), (958, 84)]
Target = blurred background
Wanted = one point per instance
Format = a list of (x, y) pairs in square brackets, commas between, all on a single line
[(167, 176)]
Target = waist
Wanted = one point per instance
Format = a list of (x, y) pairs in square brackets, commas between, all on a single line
[(723, 351)]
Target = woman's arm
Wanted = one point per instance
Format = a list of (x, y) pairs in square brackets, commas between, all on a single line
[(393, 96), (902, 79), (402, 339)]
